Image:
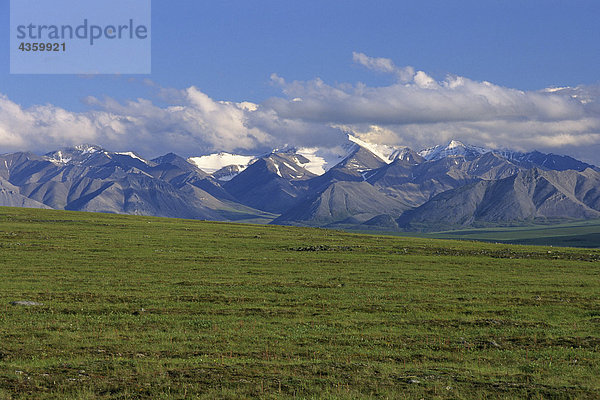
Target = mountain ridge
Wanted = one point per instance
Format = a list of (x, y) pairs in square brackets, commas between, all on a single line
[(367, 187)]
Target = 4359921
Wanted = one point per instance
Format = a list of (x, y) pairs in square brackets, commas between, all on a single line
[(25, 46)]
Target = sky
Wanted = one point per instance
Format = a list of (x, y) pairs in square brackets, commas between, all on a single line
[(247, 77)]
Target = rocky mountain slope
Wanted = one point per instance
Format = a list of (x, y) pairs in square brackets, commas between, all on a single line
[(529, 195), (358, 185)]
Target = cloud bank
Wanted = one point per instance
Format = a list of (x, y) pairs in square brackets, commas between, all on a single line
[(415, 111)]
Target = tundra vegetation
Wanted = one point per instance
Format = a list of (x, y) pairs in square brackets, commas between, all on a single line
[(112, 306)]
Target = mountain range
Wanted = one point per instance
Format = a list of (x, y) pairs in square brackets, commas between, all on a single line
[(356, 186)]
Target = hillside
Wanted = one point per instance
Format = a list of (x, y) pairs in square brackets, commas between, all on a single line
[(115, 306), (527, 196)]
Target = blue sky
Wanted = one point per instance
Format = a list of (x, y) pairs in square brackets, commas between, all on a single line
[(228, 50)]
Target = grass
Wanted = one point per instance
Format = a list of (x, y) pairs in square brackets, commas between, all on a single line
[(139, 307), (573, 234)]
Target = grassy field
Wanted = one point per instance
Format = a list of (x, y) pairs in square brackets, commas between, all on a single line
[(573, 234), (136, 307)]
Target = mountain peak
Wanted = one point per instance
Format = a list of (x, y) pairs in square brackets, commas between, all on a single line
[(68, 154), (454, 144), (214, 162), (132, 155), (385, 152), (353, 183), (171, 158), (453, 148), (87, 148)]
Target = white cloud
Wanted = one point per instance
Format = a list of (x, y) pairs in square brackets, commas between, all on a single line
[(39, 126), (385, 65), (424, 81), (377, 64), (196, 124), (424, 101), (423, 112), (415, 111)]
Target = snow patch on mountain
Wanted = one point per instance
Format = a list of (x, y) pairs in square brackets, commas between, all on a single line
[(133, 155), (88, 148), (401, 154), (385, 152), (453, 148), (58, 158), (277, 169), (292, 167), (322, 160), (76, 153), (214, 162), (227, 173)]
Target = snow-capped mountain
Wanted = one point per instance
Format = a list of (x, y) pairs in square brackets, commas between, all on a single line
[(85, 153), (74, 154), (526, 160), (386, 153), (214, 162), (225, 166), (272, 182), (322, 160), (453, 148), (358, 185), (228, 172)]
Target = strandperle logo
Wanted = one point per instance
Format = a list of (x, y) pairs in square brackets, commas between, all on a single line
[(80, 37), (85, 31)]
